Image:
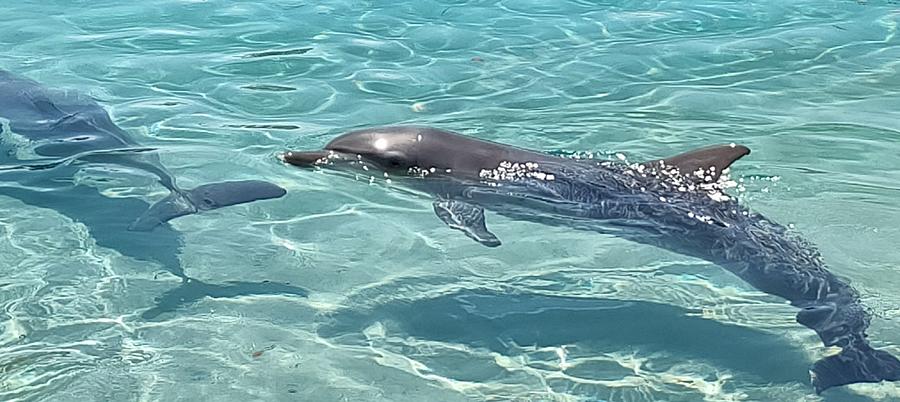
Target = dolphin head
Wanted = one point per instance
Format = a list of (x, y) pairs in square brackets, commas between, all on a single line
[(388, 149), (418, 151)]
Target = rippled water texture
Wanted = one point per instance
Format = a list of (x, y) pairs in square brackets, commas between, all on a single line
[(401, 308)]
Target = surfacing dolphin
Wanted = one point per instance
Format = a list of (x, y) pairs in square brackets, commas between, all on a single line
[(47, 137), (675, 203)]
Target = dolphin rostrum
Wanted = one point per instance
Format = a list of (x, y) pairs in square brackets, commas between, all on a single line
[(676, 203), (48, 136)]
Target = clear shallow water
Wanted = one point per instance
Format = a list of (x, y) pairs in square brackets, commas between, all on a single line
[(401, 308)]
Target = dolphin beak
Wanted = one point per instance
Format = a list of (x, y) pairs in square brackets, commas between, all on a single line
[(304, 158)]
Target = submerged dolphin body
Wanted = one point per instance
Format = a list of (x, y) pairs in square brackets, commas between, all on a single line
[(47, 137), (676, 204)]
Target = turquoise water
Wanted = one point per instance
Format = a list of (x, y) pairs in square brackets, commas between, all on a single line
[(401, 308)]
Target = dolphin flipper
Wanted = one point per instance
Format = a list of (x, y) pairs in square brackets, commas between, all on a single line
[(467, 218), (204, 198), (712, 160)]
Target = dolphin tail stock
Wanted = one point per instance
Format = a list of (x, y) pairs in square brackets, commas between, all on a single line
[(842, 322), (204, 198), (191, 290)]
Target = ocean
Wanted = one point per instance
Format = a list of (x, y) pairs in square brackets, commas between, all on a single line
[(394, 305)]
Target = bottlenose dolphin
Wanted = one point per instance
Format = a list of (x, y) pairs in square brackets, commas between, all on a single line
[(48, 136), (676, 203)]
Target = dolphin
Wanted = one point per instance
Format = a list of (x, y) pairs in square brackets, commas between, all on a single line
[(677, 203), (48, 136)]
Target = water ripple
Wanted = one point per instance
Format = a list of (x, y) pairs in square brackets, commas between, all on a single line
[(401, 308)]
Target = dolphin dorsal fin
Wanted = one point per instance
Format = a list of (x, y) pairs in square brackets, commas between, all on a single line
[(719, 157)]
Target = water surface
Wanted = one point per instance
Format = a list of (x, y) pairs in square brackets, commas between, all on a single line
[(401, 308)]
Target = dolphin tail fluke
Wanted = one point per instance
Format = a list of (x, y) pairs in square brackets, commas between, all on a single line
[(192, 290), (855, 363), (204, 198), (841, 321)]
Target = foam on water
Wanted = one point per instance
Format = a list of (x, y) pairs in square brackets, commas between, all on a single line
[(401, 308)]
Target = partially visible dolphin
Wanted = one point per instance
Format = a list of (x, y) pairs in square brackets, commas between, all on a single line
[(675, 203), (48, 136)]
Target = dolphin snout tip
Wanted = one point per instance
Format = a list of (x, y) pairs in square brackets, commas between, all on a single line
[(302, 158)]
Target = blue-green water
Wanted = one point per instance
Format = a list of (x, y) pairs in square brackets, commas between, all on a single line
[(400, 308)]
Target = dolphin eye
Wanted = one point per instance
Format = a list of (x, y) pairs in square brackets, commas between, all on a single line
[(394, 162)]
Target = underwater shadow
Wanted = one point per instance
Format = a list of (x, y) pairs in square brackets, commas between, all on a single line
[(494, 321)]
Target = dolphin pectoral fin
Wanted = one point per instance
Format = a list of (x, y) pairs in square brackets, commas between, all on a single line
[(467, 218), (711, 161), (204, 198), (218, 195), (171, 207)]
